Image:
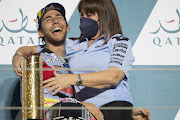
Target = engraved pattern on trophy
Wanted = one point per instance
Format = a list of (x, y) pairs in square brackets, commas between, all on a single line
[(32, 86)]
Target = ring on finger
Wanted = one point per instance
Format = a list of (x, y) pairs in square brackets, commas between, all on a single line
[(55, 86)]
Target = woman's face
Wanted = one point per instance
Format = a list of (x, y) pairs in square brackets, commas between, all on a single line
[(94, 17)]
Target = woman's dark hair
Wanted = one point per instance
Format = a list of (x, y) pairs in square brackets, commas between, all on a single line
[(109, 23)]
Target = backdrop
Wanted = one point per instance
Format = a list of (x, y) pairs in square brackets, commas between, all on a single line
[(153, 26)]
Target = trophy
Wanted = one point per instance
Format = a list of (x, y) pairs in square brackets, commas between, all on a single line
[(32, 88)]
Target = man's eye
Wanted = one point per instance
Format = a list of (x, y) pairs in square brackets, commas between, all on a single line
[(48, 19), (59, 17)]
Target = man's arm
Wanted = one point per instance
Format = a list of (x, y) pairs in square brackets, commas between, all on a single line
[(19, 55), (94, 111)]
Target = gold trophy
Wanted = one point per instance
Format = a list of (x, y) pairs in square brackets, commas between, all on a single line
[(32, 88)]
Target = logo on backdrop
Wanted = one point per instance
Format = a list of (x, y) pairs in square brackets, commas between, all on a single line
[(158, 41), (23, 24)]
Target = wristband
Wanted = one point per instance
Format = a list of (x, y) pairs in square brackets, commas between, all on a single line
[(18, 53)]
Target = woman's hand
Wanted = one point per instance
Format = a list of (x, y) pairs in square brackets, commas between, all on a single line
[(141, 114), (95, 112), (59, 82)]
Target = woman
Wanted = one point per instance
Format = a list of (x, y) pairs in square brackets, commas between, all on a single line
[(101, 46)]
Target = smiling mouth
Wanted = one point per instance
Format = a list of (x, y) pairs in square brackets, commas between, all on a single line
[(56, 30)]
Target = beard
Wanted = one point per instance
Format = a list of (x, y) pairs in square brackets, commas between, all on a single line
[(56, 42)]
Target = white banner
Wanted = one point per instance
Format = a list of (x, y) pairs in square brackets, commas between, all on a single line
[(18, 26), (159, 40), (177, 116)]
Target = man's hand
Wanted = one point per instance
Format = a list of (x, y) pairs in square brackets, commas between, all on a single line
[(95, 113), (141, 114), (17, 64)]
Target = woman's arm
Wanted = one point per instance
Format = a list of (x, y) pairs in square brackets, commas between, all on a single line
[(102, 79), (19, 55)]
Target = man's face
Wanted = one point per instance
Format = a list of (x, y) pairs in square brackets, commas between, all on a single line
[(54, 27)]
